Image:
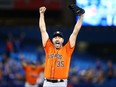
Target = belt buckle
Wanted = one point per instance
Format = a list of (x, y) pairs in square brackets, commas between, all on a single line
[(59, 80), (54, 81)]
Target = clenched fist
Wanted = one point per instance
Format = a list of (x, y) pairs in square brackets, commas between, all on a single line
[(42, 9)]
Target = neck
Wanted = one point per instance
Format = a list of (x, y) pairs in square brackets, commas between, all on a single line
[(57, 48)]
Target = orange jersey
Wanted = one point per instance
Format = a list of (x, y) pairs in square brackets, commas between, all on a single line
[(32, 74), (57, 61)]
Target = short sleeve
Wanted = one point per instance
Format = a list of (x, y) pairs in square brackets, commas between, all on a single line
[(25, 67), (68, 48), (48, 45), (40, 68)]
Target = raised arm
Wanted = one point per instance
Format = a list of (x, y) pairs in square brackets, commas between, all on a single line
[(42, 26), (75, 32), (24, 64)]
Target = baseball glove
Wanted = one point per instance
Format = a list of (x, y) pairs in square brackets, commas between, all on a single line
[(76, 10)]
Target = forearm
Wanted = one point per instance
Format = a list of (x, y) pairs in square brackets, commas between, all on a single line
[(74, 34), (42, 23), (78, 25), (22, 62)]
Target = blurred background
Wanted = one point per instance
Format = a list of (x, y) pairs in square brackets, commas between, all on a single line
[(93, 63)]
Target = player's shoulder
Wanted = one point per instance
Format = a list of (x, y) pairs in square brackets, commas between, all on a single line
[(40, 67), (48, 44), (67, 43), (27, 67)]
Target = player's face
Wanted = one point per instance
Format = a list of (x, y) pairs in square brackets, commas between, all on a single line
[(58, 41)]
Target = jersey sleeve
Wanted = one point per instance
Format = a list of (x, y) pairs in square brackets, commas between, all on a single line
[(41, 68), (68, 48), (48, 45), (25, 67)]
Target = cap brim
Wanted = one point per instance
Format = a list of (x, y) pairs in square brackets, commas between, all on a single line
[(57, 35)]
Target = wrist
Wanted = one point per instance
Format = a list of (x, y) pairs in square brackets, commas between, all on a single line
[(41, 13), (81, 16)]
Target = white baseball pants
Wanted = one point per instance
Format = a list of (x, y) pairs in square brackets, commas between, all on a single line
[(29, 85), (57, 84)]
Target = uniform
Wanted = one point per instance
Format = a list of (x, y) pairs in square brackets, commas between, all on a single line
[(32, 75), (57, 56), (57, 64)]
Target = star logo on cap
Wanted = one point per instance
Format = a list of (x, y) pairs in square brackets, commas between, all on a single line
[(57, 32)]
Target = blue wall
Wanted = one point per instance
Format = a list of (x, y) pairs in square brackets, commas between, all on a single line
[(89, 34)]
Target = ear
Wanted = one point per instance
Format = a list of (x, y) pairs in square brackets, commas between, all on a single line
[(52, 39), (62, 40)]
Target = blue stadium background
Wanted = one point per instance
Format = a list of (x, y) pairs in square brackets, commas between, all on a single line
[(93, 62)]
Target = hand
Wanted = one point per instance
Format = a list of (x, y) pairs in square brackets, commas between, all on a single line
[(42, 9)]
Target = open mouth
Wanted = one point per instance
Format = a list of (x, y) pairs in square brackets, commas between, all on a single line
[(57, 42)]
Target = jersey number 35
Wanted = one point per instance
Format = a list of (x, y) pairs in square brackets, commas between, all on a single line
[(60, 63)]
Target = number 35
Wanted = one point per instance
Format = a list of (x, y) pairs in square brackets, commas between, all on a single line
[(60, 63)]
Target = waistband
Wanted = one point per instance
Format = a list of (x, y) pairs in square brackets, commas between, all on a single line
[(30, 83), (55, 80)]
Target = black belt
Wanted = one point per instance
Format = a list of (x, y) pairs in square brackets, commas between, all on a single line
[(54, 81)]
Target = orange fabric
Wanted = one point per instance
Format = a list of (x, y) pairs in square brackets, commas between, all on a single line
[(57, 61), (32, 74)]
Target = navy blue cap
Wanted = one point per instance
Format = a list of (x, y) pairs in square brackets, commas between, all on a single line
[(58, 33)]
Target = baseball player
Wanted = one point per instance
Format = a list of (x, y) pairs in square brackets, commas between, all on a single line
[(58, 56), (32, 72)]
